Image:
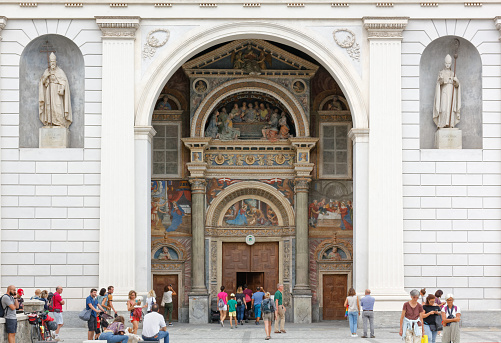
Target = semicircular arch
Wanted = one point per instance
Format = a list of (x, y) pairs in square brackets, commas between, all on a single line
[(250, 84), (246, 189), (199, 39)]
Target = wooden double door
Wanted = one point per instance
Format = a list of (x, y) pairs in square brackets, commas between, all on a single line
[(159, 283), (335, 289), (256, 265)]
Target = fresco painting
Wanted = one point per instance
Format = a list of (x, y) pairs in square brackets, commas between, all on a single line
[(330, 208), (250, 213), (170, 208)]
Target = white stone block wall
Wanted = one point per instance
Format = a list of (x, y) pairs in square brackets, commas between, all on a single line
[(50, 197), (452, 198)]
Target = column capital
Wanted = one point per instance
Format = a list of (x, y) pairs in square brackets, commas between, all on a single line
[(497, 22), (3, 22), (118, 27), (302, 184), (144, 132), (385, 27), (197, 185), (359, 135)]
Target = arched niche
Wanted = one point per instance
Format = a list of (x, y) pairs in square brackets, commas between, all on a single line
[(31, 67), (469, 73), (245, 190)]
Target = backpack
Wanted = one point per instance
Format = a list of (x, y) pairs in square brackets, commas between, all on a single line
[(50, 300), (3, 311), (239, 302), (266, 306), (220, 303)]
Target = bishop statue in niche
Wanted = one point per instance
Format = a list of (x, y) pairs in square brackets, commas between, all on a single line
[(447, 104), (54, 96)]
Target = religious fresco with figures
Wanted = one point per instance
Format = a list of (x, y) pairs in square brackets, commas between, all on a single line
[(249, 213), (170, 208), (330, 208)]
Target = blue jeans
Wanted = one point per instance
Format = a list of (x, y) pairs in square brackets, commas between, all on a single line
[(353, 318), (240, 312), (432, 335), (158, 337), (111, 338)]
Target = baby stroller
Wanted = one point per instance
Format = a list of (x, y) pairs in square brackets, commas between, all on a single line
[(214, 313)]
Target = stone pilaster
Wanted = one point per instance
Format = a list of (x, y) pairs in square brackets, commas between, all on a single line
[(385, 220), (117, 257), (360, 138), (3, 22), (143, 136), (302, 292), (199, 302)]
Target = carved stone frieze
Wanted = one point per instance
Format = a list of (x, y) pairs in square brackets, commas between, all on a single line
[(385, 27), (287, 261), (267, 232), (263, 160), (334, 266), (118, 27), (166, 266)]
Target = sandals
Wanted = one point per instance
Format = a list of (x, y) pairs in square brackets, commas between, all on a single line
[(267, 338)]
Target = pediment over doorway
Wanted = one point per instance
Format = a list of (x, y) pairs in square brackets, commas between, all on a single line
[(250, 57)]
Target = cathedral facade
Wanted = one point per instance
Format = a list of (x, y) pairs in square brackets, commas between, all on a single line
[(321, 146)]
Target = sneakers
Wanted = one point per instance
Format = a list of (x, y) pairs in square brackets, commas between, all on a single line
[(170, 324), (354, 335), (231, 327), (372, 336), (257, 323), (221, 323)]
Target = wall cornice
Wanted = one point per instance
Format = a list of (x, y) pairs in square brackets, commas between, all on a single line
[(385, 27), (497, 22), (119, 26), (3, 22)]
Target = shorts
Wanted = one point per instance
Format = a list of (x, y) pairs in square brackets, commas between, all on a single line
[(233, 314), (268, 316), (224, 308), (10, 325), (257, 310), (58, 317), (92, 323)]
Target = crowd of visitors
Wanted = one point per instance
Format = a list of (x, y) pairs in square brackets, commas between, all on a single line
[(421, 315)]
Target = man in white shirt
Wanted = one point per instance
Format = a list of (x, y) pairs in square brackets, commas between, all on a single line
[(154, 328)]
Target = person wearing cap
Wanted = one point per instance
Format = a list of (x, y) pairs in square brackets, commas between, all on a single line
[(232, 310), (20, 299), (10, 304), (451, 316)]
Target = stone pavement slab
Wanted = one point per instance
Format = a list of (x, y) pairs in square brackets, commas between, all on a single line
[(325, 332)]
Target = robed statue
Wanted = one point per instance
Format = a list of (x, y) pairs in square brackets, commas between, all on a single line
[(447, 104), (54, 96)]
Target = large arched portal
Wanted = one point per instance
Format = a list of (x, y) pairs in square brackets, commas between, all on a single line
[(267, 153)]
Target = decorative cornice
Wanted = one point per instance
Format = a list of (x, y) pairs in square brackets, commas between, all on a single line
[(118, 27), (144, 132), (385, 27), (497, 22), (359, 135), (28, 4), (472, 4)]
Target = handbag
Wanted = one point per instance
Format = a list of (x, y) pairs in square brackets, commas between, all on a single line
[(438, 323), (424, 339), (85, 315)]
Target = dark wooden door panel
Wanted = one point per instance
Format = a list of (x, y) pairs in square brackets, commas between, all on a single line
[(335, 287), (159, 282), (265, 259), (236, 258)]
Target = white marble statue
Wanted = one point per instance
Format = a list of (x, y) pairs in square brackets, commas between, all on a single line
[(447, 94), (54, 96)]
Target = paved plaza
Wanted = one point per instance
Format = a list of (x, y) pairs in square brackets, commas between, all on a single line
[(319, 333)]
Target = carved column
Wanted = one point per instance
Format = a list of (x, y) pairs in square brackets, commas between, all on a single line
[(3, 22), (117, 257), (302, 292), (143, 136), (360, 138), (199, 303), (385, 234)]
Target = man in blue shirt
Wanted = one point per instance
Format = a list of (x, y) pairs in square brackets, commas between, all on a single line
[(91, 304), (257, 299), (367, 303)]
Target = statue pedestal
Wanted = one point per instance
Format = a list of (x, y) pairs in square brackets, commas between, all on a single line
[(302, 308), (53, 137), (199, 308), (446, 138)]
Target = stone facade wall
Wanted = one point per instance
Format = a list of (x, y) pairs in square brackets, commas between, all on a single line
[(50, 197), (452, 198)]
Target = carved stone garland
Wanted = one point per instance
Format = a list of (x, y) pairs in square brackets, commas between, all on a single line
[(153, 42), (349, 43)]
